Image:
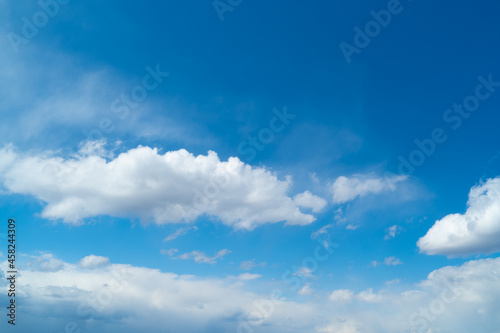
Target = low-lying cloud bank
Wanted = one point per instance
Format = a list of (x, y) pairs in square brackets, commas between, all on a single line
[(95, 295)]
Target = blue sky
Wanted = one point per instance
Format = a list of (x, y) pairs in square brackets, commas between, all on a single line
[(118, 118)]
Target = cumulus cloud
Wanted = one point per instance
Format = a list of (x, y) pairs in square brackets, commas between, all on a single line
[(369, 297), (450, 299), (164, 188), (45, 262), (309, 200), (476, 231), (131, 299), (347, 189), (93, 261)]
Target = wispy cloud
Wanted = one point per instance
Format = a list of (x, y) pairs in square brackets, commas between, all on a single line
[(323, 230), (306, 290), (248, 276), (389, 261), (391, 232), (392, 261), (180, 232), (346, 189), (197, 256), (248, 265)]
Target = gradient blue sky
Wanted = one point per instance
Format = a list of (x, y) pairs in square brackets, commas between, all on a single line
[(352, 119)]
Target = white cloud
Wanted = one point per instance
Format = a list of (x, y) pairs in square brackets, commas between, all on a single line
[(389, 261), (392, 261), (45, 262), (459, 299), (131, 299), (170, 252), (248, 276), (306, 290), (391, 232), (248, 265), (476, 231), (304, 272), (92, 261), (323, 230), (170, 188), (309, 200), (179, 232), (343, 325), (393, 281), (341, 295), (369, 297), (347, 189), (65, 101), (197, 256)]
